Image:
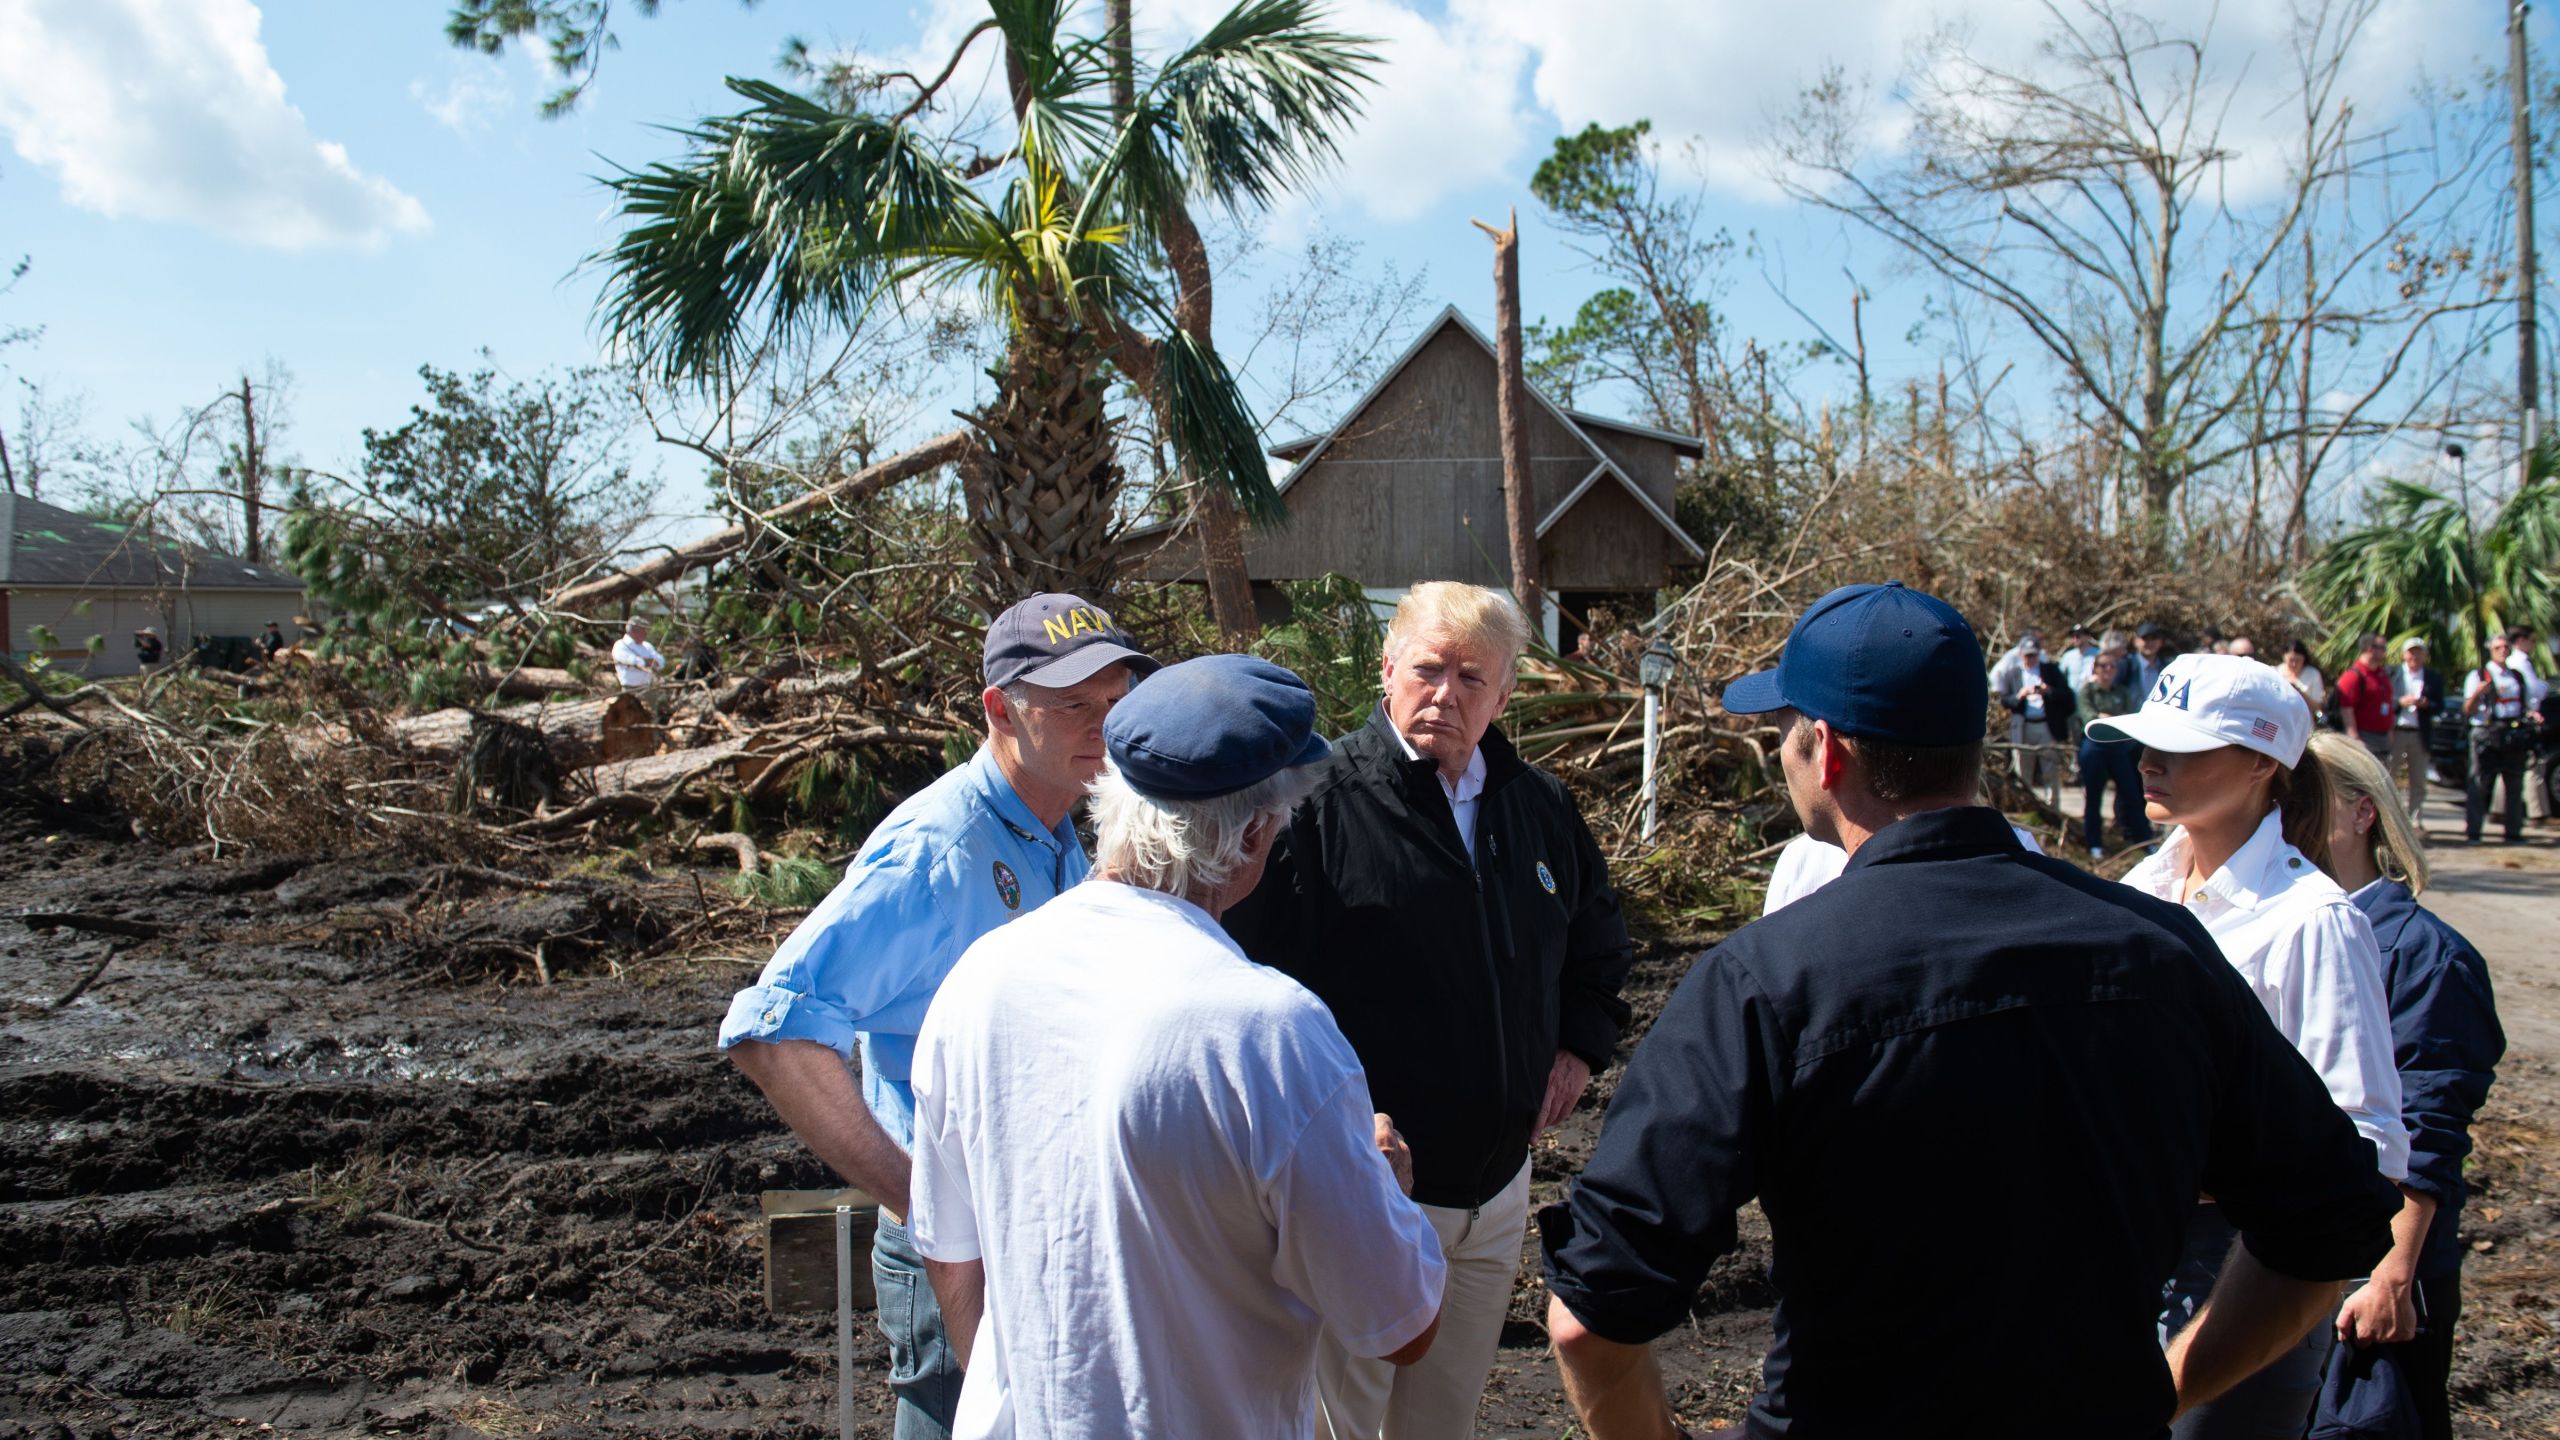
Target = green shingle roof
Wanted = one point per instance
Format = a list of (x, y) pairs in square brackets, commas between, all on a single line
[(44, 544)]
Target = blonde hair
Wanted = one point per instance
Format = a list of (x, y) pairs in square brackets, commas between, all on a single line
[(2354, 774), (2302, 794), (1477, 616)]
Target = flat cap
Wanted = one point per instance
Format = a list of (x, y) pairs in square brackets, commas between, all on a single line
[(1212, 726)]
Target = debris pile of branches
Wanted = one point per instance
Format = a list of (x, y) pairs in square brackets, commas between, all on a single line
[(280, 770)]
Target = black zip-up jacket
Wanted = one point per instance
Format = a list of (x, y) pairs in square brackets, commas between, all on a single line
[(1455, 982)]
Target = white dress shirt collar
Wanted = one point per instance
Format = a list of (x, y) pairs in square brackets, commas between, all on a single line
[(1462, 795), (2263, 868), (1470, 780)]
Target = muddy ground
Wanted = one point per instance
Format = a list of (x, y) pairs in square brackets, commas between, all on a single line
[(325, 1157)]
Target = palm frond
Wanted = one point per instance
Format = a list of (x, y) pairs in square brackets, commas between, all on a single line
[(1062, 85), (2421, 567), (1255, 106), (785, 217), (1206, 419)]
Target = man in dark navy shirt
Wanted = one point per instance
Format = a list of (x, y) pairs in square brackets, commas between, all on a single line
[(1976, 1092)]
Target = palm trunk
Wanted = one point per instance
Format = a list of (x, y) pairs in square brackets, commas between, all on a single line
[(1043, 487), (1214, 512), (1214, 515)]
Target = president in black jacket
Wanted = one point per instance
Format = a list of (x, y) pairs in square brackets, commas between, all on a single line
[(1445, 899)]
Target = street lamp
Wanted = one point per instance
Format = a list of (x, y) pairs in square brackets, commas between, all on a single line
[(1655, 670)]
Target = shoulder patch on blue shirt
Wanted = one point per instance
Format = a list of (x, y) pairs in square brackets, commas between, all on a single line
[(1009, 886)]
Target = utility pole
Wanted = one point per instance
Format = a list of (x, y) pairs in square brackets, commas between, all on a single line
[(2528, 341)]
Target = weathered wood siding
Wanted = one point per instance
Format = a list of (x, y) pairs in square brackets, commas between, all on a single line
[(1410, 490), (1606, 542), (1652, 464)]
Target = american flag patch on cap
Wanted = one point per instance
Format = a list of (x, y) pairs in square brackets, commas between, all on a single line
[(2263, 728)]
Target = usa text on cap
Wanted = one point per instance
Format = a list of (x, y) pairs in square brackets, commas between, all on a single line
[(2204, 702)]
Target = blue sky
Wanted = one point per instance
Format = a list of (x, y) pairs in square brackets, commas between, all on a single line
[(203, 185)]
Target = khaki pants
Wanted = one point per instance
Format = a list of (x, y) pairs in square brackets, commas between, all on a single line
[(2409, 748), (2038, 759), (1364, 1399)]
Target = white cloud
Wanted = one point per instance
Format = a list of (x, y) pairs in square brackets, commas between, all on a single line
[(1443, 114), (474, 94), (1712, 70), (169, 110)]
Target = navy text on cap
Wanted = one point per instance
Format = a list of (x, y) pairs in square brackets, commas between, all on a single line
[(1054, 641)]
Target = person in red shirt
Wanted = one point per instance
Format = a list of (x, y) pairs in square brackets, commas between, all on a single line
[(2364, 698)]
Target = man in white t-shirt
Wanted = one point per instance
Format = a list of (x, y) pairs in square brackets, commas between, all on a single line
[(636, 662), (1147, 1175)]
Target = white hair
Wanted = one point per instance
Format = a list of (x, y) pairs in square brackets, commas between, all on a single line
[(1184, 847)]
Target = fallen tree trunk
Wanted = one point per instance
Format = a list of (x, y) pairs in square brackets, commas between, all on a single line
[(673, 768), (578, 734), (528, 682), (622, 585)]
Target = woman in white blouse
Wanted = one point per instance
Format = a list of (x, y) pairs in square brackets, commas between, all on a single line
[(2224, 761)]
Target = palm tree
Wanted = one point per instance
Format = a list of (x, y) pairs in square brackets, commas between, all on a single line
[(798, 215), (2420, 567)]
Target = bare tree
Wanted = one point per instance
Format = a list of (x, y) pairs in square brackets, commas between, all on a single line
[(2096, 203), (47, 445)]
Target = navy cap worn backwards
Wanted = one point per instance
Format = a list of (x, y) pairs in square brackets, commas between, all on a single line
[(1213, 726), (1054, 641), (1879, 662)]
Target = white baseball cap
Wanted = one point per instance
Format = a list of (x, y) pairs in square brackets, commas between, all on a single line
[(2204, 702)]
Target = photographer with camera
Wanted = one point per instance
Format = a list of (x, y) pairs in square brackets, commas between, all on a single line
[(2503, 726)]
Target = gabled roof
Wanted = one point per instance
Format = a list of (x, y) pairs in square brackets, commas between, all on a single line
[(1689, 445), (1307, 450), (44, 544)]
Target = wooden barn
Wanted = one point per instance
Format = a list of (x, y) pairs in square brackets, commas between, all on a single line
[(1407, 487), (65, 576)]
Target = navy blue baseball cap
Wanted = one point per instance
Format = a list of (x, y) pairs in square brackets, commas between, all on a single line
[(1880, 662), (1055, 641), (1213, 726)]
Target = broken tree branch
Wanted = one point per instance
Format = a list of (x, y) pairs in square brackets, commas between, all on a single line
[(622, 585)]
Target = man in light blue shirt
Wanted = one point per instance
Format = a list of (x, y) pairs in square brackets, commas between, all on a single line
[(985, 843), (2079, 656)]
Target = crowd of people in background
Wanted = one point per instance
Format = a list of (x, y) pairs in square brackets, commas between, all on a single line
[(2391, 701)]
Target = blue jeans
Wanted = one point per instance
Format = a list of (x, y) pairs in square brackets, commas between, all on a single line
[(2100, 764), (923, 1370), (2275, 1403)]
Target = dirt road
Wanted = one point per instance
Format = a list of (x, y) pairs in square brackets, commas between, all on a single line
[(296, 1163)]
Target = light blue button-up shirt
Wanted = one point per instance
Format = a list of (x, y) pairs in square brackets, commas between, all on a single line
[(961, 857)]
